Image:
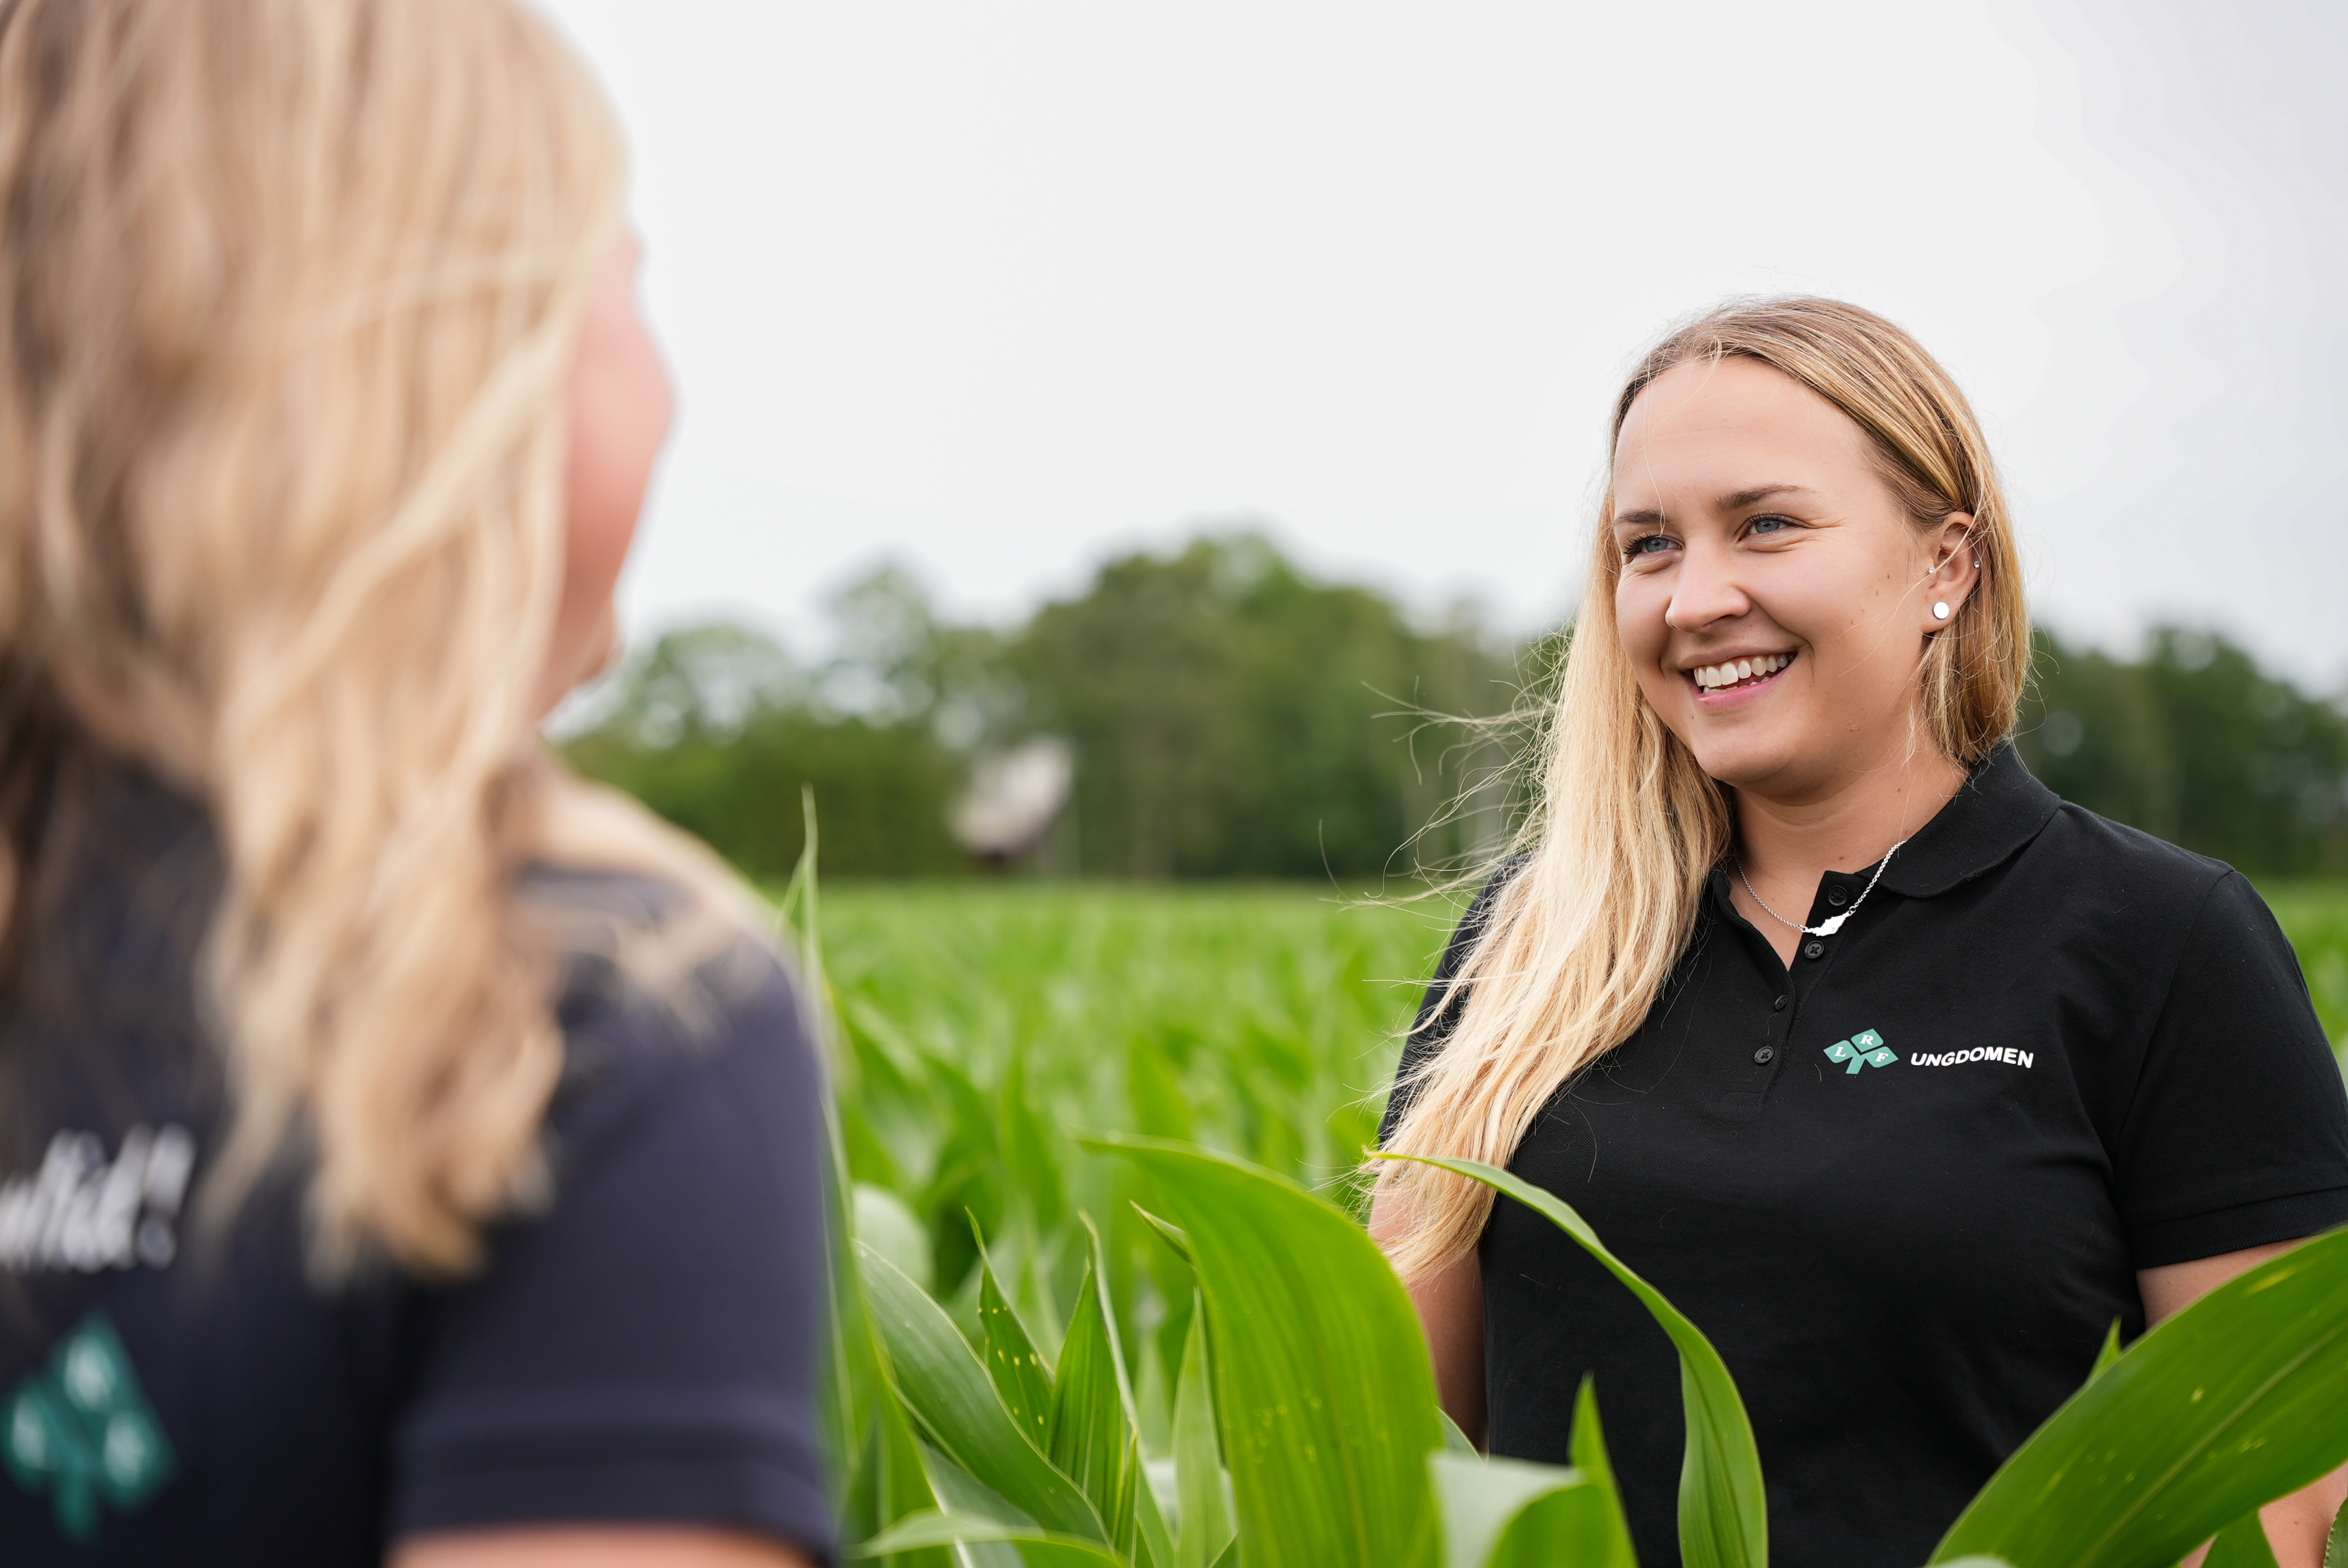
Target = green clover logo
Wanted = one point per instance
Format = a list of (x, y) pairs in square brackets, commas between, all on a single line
[(80, 1429), (1864, 1048)]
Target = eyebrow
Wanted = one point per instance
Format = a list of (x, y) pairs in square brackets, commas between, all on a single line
[(1735, 500)]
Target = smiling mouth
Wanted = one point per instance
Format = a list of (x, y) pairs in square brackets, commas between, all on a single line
[(1735, 674)]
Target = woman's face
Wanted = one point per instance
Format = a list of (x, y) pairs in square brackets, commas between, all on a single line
[(1775, 598), (620, 408)]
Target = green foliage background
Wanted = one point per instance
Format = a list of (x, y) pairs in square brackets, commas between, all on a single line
[(2196, 744)]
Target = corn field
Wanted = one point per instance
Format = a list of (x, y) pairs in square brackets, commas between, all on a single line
[(1100, 1296)]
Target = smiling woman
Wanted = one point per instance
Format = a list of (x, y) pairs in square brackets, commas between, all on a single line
[(1785, 859)]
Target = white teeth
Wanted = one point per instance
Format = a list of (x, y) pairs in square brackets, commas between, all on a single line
[(1712, 677)]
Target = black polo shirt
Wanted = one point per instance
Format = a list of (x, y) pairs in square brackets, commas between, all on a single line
[(1906, 1187)]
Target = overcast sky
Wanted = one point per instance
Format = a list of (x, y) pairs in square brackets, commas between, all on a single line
[(999, 290)]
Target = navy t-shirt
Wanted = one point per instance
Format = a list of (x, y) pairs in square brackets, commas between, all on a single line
[(1905, 1185), (641, 1350)]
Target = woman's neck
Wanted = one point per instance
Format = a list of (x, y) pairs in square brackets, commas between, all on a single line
[(1785, 845), (1847, 827)]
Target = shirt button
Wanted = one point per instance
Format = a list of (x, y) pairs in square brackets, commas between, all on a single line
[(1814, 949), (1838, 897), (1762, 1056), (1777, 1006)]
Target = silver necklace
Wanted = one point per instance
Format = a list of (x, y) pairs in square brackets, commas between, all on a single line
[(1829, 927)]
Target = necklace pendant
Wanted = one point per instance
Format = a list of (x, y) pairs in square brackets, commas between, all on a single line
[(1830, 927)]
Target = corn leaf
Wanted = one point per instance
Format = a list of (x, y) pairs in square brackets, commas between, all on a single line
[(1170, 1233), (1568, 1526), (1039, 1548), (893, 1483), (1013, 1362), (1204, 1523), (2109, 1355), (1092, 1439), (1324, 1390), (1588, 1450), (2229, 1404), (2241, 1544), (2336, 1551), (1456, 1440), (950, 1396), (1482, 1498), (1723, 1522), (958, 1492)]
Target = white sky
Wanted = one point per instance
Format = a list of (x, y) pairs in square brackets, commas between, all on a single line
[(999, 290)]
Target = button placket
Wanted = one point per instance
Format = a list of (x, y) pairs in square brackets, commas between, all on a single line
[(1769, 1057)]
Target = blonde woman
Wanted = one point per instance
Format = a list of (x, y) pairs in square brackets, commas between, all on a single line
[(405, 1153), (1899, 1076)]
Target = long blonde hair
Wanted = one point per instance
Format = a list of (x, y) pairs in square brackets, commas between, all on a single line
[(289, 291), (1579, 942)]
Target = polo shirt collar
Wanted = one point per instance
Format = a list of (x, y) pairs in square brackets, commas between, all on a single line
[(1996, 812)]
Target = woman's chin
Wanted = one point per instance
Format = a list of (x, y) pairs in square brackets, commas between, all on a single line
[(1765, 764)]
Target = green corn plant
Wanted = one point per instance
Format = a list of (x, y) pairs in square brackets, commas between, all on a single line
[(1305, 1391)]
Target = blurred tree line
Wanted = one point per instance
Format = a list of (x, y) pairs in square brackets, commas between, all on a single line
[(1230, 716), (2195, 743)]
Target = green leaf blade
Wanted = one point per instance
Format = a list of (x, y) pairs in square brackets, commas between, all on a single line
[(1724, 1517), (1324, 1393), (1566, 1528), (2108, 1357), (1092, 1439), (2241, 1544), (1013, 1363), (1480, 1499), (2230, 1404), (1039, 1548), (1203, 1526), (1588, 1452), (950, 1394)]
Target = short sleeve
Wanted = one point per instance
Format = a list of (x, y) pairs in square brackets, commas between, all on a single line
[(2237, 1134), (1436, 1018), (645, 1351)]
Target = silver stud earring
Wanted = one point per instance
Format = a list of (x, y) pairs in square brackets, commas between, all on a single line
[(1939, 611)]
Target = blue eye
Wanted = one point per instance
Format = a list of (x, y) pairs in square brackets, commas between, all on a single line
[(1640, 546), (1771, 525)]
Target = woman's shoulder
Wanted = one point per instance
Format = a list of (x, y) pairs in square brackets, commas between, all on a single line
[(2179, 914), (2095, 852), (678, 1247), (658, 983)]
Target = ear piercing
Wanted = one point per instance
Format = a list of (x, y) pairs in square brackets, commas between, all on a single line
[(1939, 611)]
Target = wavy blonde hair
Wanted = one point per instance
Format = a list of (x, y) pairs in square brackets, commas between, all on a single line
[(289, 291), (1625, 827)]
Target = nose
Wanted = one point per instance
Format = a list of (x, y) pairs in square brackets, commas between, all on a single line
[(1704, 591)]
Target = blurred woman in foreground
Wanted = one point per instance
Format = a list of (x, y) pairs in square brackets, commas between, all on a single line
[(405, 1149)]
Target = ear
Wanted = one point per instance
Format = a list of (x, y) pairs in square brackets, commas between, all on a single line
[(1953, 569)]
